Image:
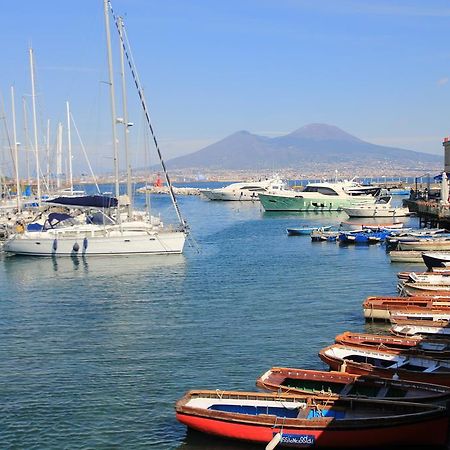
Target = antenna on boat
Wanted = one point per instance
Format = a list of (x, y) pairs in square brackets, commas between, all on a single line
[(127, 51)]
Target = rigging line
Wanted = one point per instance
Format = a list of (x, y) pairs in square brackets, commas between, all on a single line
[(85, 153), (137, 83)]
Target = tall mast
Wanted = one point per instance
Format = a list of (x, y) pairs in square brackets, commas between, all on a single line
[(69, 148), (113, 101), (59, 156), (16, 153), (48, 154), (27, 138), (36, 145), (125, 121)]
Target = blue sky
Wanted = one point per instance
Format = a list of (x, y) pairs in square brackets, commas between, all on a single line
[(377, 69)]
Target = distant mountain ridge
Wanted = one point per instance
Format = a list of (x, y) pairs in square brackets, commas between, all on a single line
[(313, 143)]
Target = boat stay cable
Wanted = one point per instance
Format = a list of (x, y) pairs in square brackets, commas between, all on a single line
[(129, 57)]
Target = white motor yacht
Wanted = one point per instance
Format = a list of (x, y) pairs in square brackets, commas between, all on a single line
[(244, 191)]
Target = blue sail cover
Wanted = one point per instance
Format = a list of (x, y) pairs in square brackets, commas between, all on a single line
[(88, 201)]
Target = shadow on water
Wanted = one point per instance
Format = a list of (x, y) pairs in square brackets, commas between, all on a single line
[(195, 440)]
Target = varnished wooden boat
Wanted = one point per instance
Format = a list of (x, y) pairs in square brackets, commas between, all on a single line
[(405, 256), (418, 345), (386, 364), (302, 421), (380, 308), (426, 289), (437, 329), (411, 291), (340, 384), (431, 277)]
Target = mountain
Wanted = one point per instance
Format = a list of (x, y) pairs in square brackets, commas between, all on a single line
[(311, 144)]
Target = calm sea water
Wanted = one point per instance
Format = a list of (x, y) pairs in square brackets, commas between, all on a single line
[(94, 352)]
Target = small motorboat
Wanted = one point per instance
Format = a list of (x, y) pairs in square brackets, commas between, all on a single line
[(341, 384), (416, 345), (321, 422), (381, 208), (386, 364), (306, 231), (362, 237), (355, 226), (436, 259), (324, 236), (382, 308)]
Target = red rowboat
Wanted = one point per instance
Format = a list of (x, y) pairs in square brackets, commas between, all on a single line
[(319, 422)]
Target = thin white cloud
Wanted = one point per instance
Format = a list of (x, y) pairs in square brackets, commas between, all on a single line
[(442, 81)]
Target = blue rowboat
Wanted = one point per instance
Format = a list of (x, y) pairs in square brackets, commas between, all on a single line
[(305, 230)]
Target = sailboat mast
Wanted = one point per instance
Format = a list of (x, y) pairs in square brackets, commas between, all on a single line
[(113, 101), (48, 154), (59, 156), (69, 147), (27, 138), (16, 152), (125, 121), (36, 144)]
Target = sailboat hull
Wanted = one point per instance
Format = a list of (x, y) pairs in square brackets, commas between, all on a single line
[(115, 243)]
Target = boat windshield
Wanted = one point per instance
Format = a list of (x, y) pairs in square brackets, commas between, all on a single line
[(321, 190)]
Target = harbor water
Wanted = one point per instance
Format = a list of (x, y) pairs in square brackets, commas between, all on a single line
[(94, 352)]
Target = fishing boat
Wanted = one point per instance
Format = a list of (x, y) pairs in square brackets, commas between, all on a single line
[(305, 231), (382, 308), (405, 256), (303, 421), (437, 329), (245, 191), (107, 225), (433, 348), (381, 208), (386, 364), (341, 384), (316, 197), (435, 259)]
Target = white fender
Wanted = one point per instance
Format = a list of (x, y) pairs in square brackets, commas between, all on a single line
[(274, 442)]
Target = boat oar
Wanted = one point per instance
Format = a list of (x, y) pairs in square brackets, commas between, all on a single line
[(274, 441)]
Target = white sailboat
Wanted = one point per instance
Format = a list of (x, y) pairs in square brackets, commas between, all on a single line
[(98, 225)]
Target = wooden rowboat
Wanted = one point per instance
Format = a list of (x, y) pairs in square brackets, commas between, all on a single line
[(320, 422), (340, 384), (386, 364), (432, 348), (380, 308), (405, 256), (437, 328)]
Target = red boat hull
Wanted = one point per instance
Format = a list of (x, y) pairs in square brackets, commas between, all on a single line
[(430, 433)]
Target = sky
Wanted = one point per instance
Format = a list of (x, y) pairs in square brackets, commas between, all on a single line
[(379, 70)]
